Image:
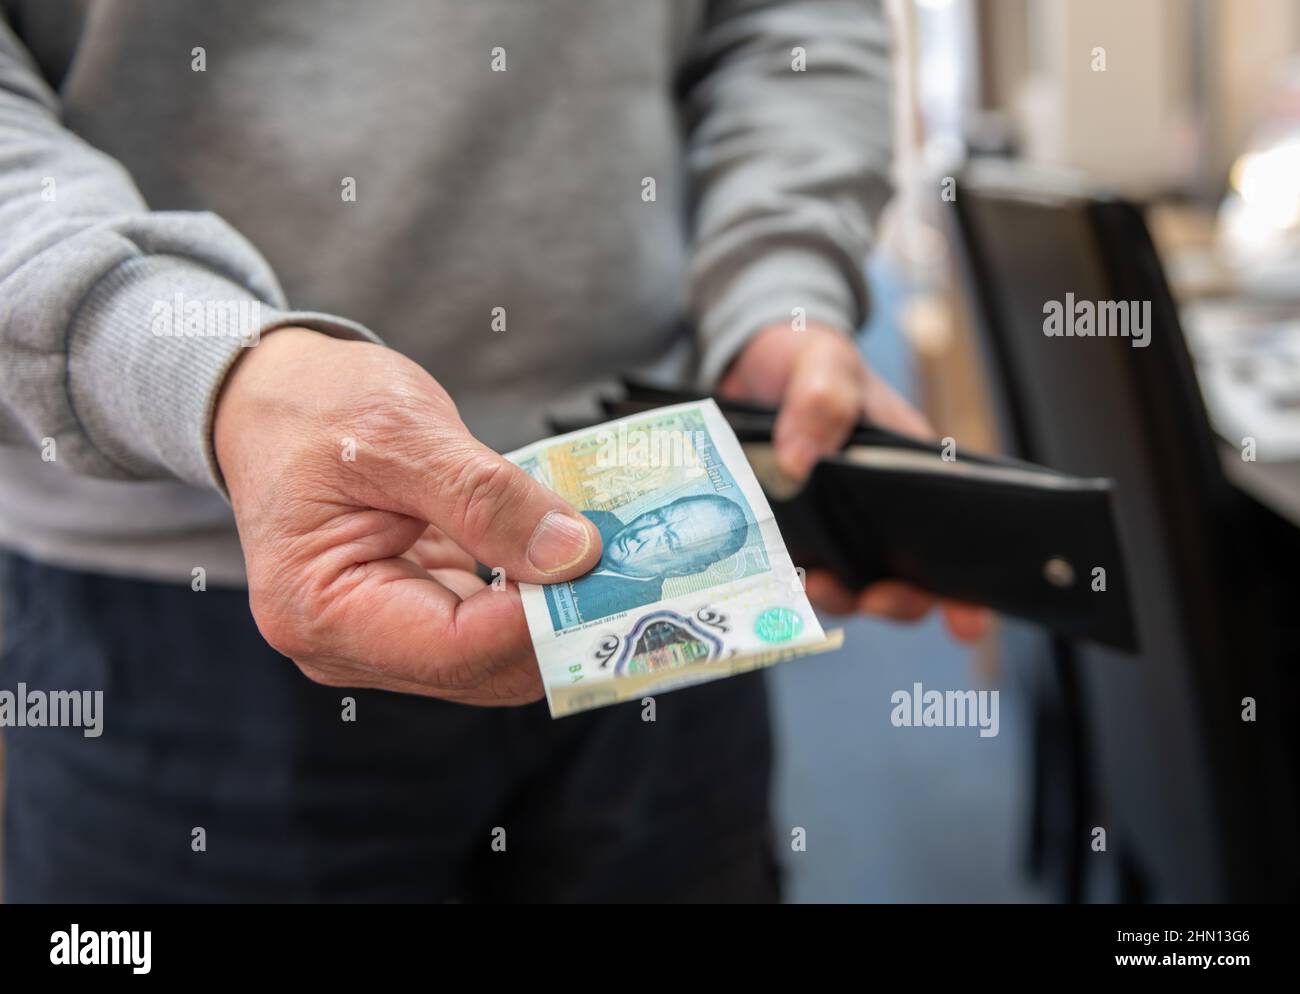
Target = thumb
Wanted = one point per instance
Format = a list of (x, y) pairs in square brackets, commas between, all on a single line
[(502, 516), (822, 402)]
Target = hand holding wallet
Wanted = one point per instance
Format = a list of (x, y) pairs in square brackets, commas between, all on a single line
[(1019, 538)]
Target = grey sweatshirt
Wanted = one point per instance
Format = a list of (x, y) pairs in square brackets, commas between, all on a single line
[(525, 196)]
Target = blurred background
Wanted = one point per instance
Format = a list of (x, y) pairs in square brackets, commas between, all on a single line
[(1115, 150)]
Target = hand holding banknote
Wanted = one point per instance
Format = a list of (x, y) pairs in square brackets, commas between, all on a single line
[(363, 502)]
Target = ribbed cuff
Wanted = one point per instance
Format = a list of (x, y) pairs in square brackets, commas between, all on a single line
[(774, 288), (148, 351)]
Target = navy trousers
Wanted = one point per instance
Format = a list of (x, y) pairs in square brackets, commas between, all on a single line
[(206, 727)]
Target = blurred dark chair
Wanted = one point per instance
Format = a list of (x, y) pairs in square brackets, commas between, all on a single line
[(1197, 804)]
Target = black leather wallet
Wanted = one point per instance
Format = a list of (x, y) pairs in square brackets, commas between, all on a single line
[(1022, 539)]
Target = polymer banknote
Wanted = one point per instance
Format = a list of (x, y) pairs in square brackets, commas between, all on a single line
[(694, 582)]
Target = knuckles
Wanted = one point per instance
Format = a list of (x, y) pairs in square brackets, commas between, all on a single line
[(830, 400), (481, 490)]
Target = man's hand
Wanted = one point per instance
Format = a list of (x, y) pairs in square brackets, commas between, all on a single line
[(823, 387), (362, 503)]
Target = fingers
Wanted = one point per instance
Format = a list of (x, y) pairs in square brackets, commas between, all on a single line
[(434, 550), (390, 624), (885, 406), (463, 583), (828, 594), (901, 601), (966, 622), (498, 514), (822, 402), (890, 599), (362, 612), (896, 600)]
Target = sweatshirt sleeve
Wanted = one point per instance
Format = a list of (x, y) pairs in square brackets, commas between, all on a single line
[(117, 324), (789, 140)]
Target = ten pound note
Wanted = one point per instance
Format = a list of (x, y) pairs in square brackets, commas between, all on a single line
[(694, 582)]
